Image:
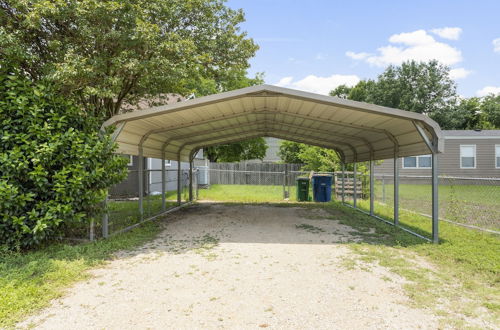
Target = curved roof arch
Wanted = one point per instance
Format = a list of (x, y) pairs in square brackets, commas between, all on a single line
[(357, 131)]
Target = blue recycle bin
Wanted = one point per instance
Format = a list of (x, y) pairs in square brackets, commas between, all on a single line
[(322, 188)]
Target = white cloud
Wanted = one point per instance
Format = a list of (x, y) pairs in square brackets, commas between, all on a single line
[(488, 90), (496, 45), (415, 38), (459, 73), (417, 45), (357, 56), (452, 33), (320, 85)]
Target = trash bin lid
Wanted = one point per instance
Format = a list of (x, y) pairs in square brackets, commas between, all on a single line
[(302, 179)]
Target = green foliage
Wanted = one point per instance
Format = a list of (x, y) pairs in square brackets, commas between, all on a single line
[(235, 152), (426, 87), (289, 152), (314, 158), (54, 166), (106, 52)]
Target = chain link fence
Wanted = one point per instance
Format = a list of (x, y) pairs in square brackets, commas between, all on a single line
[(121, 211), (473, 202)]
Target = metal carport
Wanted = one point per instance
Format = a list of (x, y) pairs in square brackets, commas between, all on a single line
[(357, 131)]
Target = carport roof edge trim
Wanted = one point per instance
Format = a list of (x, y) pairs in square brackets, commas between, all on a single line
[(260, 91)]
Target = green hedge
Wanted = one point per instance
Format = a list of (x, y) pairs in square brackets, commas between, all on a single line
[(55, 167)]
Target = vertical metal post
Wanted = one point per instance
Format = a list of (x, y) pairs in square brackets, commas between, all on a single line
[(105, 219), (284, 179), (179, 183), (140, 178), (355, 187), (372, 192), (91, 230), (383, 189), (190, 179), (343, 182), (396, 190), (163, 188), (435, 204)]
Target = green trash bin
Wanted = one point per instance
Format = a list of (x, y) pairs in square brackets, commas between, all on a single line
[(302, 185)]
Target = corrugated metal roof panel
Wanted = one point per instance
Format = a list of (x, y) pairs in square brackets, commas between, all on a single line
[(357, 131)]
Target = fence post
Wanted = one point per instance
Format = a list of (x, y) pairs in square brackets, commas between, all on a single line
[(163, 192), (435, 203), (140, 178), (91, 230), (343, 183), (190, 180), (179, 175), (105, 219), (396, 190), (383, 189), (355, 187), (372, 193)]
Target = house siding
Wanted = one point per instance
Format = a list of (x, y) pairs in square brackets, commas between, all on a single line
[(449, 160)]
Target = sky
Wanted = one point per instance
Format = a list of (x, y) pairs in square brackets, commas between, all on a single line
[(317, 45)]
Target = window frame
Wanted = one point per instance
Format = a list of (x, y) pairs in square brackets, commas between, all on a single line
[(417, 162), (130, 161), (475, 156)]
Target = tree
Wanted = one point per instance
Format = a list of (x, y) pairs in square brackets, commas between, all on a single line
[(105, 53), (490, 107), (235, 152), (422, 87), (289, 152), (54, 165)]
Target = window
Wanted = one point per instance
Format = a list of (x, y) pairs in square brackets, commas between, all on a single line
[(168, 163), (130, 160), (468, 156), (497, 156), (417, 162)]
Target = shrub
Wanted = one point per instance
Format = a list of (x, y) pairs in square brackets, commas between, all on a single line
[(55, 166)]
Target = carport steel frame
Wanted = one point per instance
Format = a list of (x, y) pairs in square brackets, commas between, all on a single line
[(420, 124)]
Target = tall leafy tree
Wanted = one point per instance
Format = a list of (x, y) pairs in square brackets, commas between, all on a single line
[(422, 87), (235, 152), (105, 53)]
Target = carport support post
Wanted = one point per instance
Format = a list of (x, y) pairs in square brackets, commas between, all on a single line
[(343, 183), (435, 204), (163, 176), (355, 187), (372, 193), (179, 178), (190, 179), (141, 183), (396, 190)]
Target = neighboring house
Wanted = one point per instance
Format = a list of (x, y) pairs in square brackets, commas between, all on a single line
[(467, 153), (152, 178)]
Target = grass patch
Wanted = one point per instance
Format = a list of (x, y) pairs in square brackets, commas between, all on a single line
[(244, 193), (30, 280), (464, 269), (309, 228)]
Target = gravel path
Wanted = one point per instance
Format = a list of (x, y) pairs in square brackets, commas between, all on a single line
[(245, 267)]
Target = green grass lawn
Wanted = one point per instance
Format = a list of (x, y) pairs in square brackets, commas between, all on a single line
[(30, 280), (470, 204)]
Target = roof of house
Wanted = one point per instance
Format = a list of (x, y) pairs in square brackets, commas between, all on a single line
[(471, 133)]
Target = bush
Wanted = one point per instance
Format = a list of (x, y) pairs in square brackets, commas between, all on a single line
[(55, 166)]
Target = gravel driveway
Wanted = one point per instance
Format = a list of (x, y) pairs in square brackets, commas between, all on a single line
[(245, 267)]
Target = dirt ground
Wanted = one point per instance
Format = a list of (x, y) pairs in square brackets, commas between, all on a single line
[(245, 267)]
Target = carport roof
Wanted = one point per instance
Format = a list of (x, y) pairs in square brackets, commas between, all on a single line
[(357, 131)]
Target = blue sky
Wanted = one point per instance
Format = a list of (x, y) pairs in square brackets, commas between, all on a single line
[(315, 45)]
